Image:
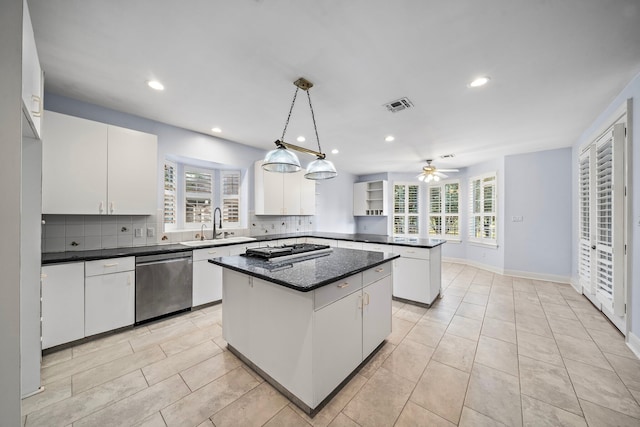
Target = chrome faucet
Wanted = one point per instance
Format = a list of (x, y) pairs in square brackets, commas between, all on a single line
[(214, 222), (202, 231)]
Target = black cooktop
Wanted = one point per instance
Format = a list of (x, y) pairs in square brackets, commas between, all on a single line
[(288, 251)]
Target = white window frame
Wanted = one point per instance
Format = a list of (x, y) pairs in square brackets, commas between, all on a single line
[(406, 215), (441, 213), (482, 213), (186, 195)]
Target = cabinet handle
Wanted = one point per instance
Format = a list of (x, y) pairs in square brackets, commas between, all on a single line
[(344, 285), (111, 265), (37, 99), (43, 276), (379, 270), (111, 207), (411, 252), (213, 252), (101, 207), (366, 298)]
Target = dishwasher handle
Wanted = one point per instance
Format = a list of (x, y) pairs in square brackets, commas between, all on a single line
[(164, 261)]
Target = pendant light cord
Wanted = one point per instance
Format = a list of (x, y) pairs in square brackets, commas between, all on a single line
[(313, 117), (289, 116)]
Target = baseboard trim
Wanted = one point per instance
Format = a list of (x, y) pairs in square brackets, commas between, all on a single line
[(633, 342), (538, 276), (575, 284)]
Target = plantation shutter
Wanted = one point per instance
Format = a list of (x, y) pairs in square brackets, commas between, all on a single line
[(585, 225), (435, 209), (170, 193), (231, 197), (198, 196)]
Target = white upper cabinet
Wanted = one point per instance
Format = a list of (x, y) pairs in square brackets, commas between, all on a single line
[(283, 193), (32, 86), (370, 198), (94, 168)]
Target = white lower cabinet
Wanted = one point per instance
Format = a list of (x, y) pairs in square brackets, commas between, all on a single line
[(207, 277), (349, 245), (109, 295), (376, 303), (62, 303), (416, 274)]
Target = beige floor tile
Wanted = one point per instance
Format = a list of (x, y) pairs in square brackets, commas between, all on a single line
[(335, 405), (635, 394), (416, 416), (526, 298), (69, 410), (449, 302), (539, 414), (596, 321), (380, 401), (171, 365), (539, 348), (203, 403), (599, 416), (399, 329), (612, 342), (208, 320), (482, 278), (454, 291), (441, 390), (581, 351), (497, 354), (159, 336), (480, 289), (220, 342), (548, 383), (562, 311), (409, 360), (287, 417), (84, 362), (627, 369), (192, 339), (465, 328), (602, 387), (168, 322), (471, 418), (343, 421), (472, 311), (456, 352), (254, 408), (478, 299), (503, 312), (499, 329), (114, 369), (533, 325), (572, 328), (524, 287), (529, 309), (52, 393), (377, 360), (495, 394), (552, 298), (56, 357), (409, 315), (109, 340), (427, 333), (396, 305), (211, 369), (154, 420)]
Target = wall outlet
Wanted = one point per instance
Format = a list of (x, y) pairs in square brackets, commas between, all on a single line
[(138, 232), (517, 219), (151, 232)]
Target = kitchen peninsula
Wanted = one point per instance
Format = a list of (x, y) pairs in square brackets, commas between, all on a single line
[(306, 324)]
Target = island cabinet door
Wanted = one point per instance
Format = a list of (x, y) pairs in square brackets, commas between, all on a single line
[(337, 343), (237, 315), (376, 314)]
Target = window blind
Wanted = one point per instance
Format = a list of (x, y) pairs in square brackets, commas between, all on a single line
[(483, 212), (406, 208), (170, 195), (230, 197), (198, 187), (444, 215)]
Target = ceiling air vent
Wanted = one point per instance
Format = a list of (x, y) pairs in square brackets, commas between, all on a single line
[(399, 105)]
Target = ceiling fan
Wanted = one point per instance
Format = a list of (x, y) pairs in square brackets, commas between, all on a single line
[(430, 173)]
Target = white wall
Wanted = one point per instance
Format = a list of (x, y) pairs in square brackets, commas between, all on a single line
[(334, 204), (538, 189), (631, 91), (10, 176)]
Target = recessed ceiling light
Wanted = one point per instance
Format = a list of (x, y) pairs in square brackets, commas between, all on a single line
[(335, 151), (154, 84), (216, 130), (389, 138), (447, 156), (480, 81), (301, 139)]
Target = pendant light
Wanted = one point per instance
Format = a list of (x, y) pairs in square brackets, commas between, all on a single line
[(283, 160)]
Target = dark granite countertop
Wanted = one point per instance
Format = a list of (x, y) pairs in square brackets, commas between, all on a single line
[(78, 256), (307, 273)]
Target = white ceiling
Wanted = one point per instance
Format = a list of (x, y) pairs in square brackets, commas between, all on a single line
[(554, 65)]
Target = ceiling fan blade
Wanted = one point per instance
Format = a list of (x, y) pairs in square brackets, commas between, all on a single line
[(448, 170), (440, 174)]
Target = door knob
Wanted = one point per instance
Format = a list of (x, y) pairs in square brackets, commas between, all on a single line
[(593, 247)]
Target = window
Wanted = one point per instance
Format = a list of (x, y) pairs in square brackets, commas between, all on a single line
[(198, 196), (444, 213), (170, 193), (483, 211), (230, 181), (406, 210)]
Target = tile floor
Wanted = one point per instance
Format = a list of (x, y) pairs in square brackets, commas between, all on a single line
[(494, 351)]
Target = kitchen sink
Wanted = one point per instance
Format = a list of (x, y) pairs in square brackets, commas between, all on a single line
[(214, 242)]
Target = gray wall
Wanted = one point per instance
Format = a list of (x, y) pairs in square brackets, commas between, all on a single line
[(10, 176), (631, 91)]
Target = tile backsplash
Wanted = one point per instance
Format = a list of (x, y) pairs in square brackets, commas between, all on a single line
[(62, 233)]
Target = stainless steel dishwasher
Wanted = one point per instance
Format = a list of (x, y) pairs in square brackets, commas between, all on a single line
[(163, 284)]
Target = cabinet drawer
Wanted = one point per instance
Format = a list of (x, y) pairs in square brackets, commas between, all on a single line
[(321, 241), (110, 265), (208, 253), (376, 273), (336, 290), (349, 245), (409, 252), (377, 247)]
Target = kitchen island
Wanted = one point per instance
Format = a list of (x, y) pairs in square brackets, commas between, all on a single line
[(307, 324)]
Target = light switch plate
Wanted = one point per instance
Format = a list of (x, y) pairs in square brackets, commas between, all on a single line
[(517, 219), (138, 232)]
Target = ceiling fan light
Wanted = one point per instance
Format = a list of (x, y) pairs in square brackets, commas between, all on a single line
[(436, 178), (321, 169), (429, 178), (281, 160)]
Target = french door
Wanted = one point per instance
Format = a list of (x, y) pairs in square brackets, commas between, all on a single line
[(601, 252)]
